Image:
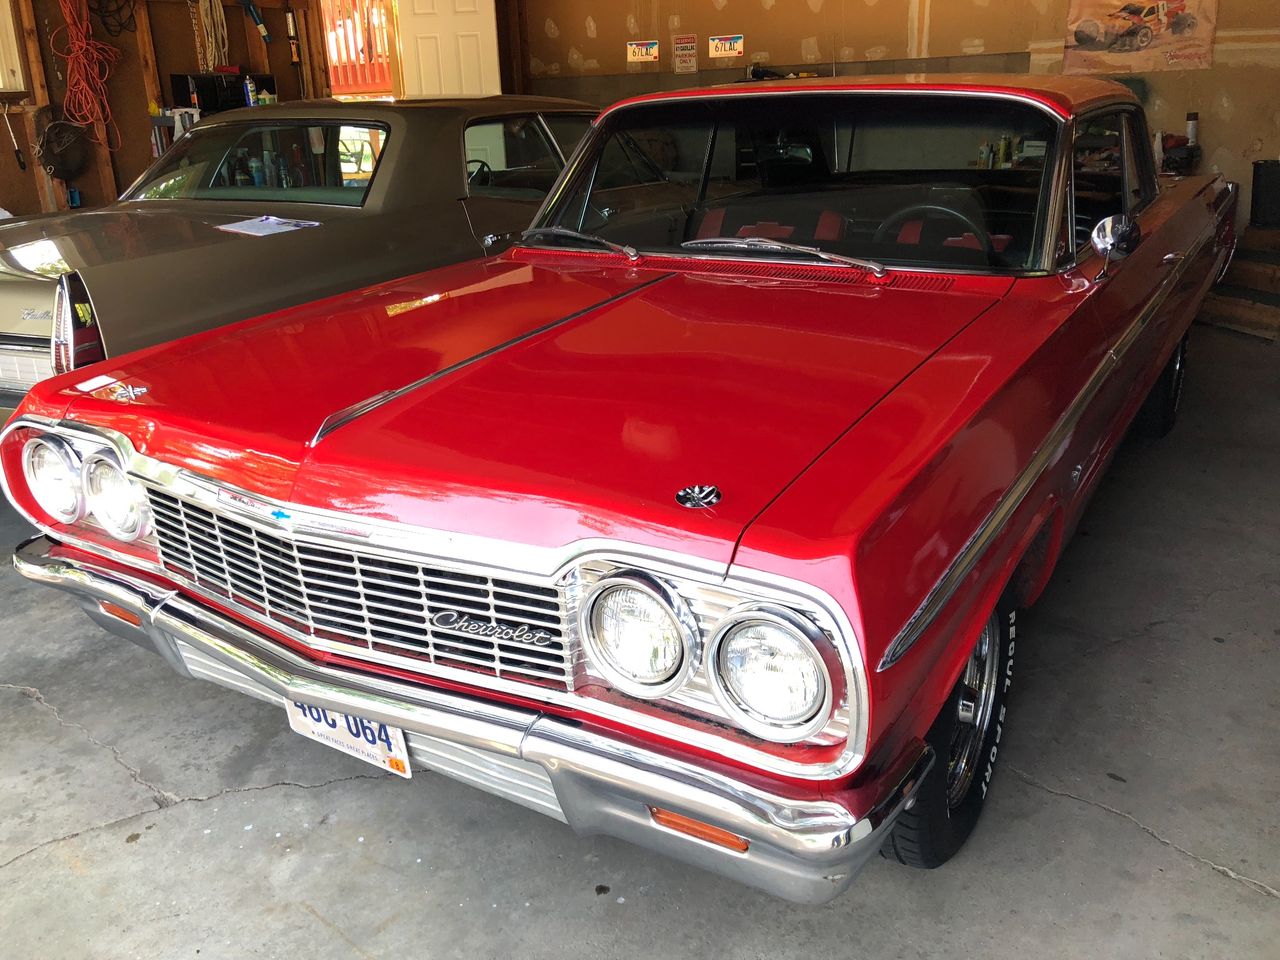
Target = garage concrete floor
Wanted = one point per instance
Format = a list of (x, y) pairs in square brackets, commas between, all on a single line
[(142, 815)]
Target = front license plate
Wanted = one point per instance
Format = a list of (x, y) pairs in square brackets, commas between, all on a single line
[(367, 740)]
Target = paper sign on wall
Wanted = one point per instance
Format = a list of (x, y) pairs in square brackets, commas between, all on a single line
[(684, 53), (642, 51), (728, 46)]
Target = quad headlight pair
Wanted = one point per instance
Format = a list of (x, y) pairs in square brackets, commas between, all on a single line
[(68, 488), (763, 662)]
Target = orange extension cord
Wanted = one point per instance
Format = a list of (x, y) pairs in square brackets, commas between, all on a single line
[(89, 64)]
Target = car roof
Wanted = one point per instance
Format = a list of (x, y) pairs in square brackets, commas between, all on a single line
[(464, 107), (1064, 96)]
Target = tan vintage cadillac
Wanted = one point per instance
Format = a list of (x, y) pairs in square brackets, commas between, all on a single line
[(411, 185)]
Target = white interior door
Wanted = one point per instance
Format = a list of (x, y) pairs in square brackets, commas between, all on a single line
[(448, 47)]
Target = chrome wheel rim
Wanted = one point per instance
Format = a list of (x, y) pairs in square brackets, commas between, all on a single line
[(974, 708)]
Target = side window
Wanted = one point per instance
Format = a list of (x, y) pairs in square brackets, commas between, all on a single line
[(297, 161), (358, 152), (567, 129), (1113, 170), (509, 158), (1141, 162)]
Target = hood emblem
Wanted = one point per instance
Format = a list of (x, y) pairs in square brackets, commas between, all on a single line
[(701, 495), (127, 392)]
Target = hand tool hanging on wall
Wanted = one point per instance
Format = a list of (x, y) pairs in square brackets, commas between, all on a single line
[(251, 11), (291, 32), (17, 151)]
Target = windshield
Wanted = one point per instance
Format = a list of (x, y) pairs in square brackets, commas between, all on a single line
[(295, 161), (913, 180)]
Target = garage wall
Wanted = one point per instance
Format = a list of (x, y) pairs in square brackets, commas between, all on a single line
[(577, 48), (163, 33)]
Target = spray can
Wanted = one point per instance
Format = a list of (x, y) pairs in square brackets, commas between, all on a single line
[(1193, 129)]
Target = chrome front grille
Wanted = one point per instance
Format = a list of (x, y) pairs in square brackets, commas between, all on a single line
[(365, 605)]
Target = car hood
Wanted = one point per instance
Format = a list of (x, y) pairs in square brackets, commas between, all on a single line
[(157, 270), (550, 405), (128, 231)]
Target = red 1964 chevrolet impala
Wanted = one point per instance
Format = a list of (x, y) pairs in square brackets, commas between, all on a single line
[(700, 518)]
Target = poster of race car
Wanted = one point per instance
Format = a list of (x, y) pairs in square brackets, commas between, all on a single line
[(1111, 36)]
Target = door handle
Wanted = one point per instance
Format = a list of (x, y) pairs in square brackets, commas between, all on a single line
[(1170, 258)]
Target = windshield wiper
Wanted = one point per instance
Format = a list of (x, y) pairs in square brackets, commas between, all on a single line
[(631, 253), (764, 243)]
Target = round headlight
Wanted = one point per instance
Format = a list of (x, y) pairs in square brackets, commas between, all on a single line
[(52, 471), (116, 502), (639, 635), (767, 673)]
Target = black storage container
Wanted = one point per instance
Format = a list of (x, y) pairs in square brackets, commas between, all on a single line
[(1264, 210)]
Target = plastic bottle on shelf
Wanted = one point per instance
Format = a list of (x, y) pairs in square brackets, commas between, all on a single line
[(242, 176)]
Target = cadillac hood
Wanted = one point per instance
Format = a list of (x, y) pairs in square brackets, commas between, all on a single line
[(518, 401)]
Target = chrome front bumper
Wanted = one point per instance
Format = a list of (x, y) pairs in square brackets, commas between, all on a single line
[(803, 850)]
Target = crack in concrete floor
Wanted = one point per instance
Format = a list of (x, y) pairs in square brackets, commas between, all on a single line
[(1257, 886), (162, 798)]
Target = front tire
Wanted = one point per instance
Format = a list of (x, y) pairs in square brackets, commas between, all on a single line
[(1160, 410), (1143, 38), (965, 738)]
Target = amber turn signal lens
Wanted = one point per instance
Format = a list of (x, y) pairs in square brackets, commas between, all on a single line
[(696, 828), (120, 613)]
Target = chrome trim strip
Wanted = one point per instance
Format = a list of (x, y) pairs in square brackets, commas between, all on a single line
[(550, 565), (807, 850), (355, 411), (941, 593), (853, 89), (21, 343)]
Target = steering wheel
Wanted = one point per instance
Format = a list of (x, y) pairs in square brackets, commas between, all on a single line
[(896, 220), (482, 170)]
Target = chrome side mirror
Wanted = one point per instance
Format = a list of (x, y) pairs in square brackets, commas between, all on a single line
[(1115, 238)]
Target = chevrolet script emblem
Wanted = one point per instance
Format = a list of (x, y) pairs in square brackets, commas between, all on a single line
[(458, 622)]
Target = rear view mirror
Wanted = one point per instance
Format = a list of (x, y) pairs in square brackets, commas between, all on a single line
[(1115, 238)]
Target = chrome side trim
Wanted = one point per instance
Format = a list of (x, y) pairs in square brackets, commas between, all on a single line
[(355, 411), (940, 594)]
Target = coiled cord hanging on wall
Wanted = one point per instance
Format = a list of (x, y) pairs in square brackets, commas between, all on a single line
[(116, 15), (88, 65), (209, 25)]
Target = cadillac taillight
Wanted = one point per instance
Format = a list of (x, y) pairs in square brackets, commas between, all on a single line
[(77, 340)]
